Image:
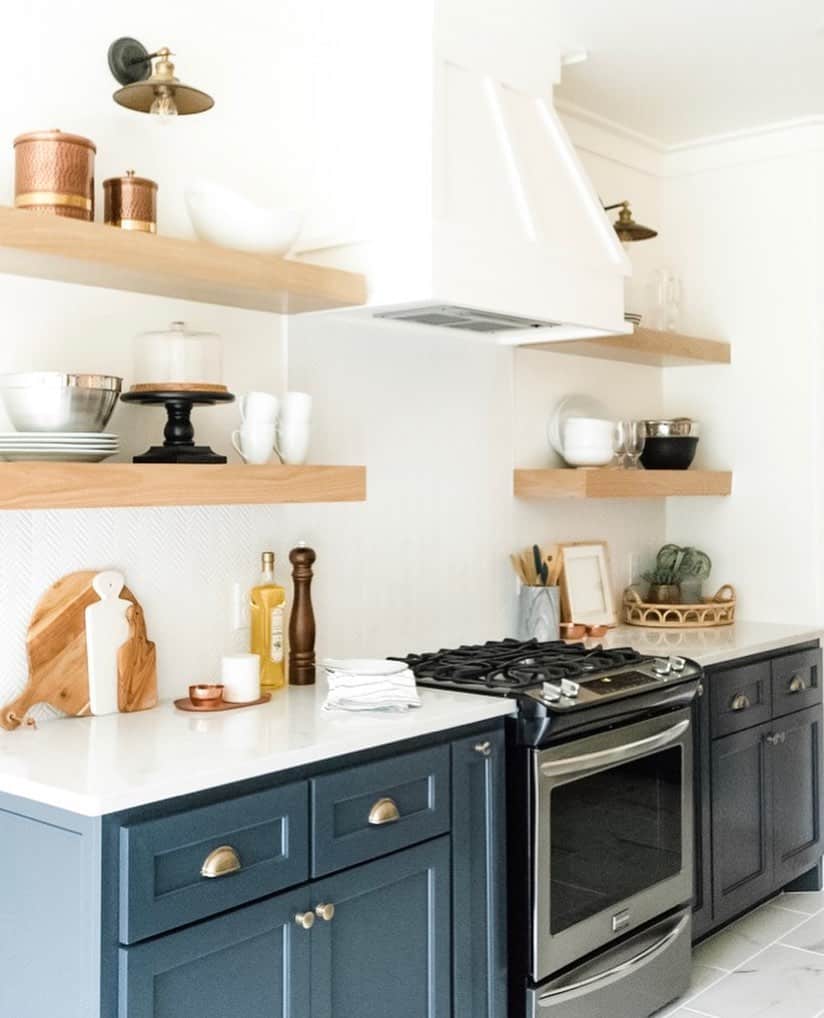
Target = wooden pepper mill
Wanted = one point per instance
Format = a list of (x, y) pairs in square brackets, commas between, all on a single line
[(302, 619)]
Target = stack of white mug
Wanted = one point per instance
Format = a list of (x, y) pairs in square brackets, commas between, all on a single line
[(270, 425)]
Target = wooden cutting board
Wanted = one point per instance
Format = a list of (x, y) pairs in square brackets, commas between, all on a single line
[(56, 647)]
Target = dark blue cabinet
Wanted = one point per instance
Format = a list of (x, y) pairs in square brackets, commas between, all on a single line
[(479, 876), (253, 963), (373, 889), (386, 950)]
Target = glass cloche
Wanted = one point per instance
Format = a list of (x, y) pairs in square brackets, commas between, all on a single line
[(178, 359)]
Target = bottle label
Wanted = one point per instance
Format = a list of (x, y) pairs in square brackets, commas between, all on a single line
[(276, 642)]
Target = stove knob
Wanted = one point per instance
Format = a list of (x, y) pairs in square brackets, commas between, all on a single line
[(550, 692), (678, 664), (569, 688), (662, 666)]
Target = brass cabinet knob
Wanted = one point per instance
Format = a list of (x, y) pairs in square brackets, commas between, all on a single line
[(797, 684), (306, 920), (385, 811), (220, 863), (325, 911), (484, 748), (740, 702)]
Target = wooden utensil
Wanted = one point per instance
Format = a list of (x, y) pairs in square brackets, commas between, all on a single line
[(518, 566), (137, 666), (56, 648)]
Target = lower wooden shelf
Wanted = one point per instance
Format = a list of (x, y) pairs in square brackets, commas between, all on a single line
[(606, 483), (32, 485)]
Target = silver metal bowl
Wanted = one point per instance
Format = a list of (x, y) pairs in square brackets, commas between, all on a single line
[(52, 401), (678, 427)]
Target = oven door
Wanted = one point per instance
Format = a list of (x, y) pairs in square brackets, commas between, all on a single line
[(612, 837)]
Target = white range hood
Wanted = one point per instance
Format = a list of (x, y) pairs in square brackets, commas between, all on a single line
[(447, 177)]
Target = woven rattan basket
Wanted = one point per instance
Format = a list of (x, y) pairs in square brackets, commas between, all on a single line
[(715, 611)]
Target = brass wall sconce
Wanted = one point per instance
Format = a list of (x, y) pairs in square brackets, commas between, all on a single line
[(625, 226), (152, 90)]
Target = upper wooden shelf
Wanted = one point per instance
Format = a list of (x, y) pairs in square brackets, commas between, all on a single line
[(606, 483), (102, 485), (645, 346), (71, 251)]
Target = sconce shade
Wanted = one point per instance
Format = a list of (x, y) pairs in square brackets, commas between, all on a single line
[(152, 91), (628, 230)]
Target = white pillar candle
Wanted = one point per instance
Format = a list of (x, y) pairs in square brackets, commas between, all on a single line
[(240, 674)]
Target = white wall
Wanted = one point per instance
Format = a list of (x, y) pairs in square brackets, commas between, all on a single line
[(740, 222), (746, 216), (424, 561)]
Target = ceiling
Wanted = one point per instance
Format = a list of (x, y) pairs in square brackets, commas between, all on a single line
[(679, 70)]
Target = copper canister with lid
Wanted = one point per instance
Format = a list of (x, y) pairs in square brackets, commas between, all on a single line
[(54, 174), (130, 203)]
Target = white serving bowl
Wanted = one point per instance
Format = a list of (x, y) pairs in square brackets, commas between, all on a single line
[(220, 216), (588, 431), (588, 455)]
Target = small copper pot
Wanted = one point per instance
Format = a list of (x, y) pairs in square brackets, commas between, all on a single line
[(130, 203), (206, 695), (54, 174)]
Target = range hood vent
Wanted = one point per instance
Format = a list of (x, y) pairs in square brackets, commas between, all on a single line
[(451, 316), (469, 209)]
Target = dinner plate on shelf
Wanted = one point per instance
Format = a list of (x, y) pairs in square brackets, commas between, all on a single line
[(64, 455)]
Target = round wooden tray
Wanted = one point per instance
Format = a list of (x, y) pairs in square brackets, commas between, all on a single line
[(714, 611), (178, 387)]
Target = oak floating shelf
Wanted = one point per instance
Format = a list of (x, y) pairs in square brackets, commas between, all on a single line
[(92, 254), (645, 346), (569, 483), (32, 485)]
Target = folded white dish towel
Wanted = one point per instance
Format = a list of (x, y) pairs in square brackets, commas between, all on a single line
[(363, 684)]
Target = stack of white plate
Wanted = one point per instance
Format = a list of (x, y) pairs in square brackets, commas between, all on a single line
[(54, 446)]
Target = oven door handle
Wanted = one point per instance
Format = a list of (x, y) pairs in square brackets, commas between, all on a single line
[(647, 955), (618, 754)]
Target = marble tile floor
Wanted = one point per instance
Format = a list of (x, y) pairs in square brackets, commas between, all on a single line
[(769, 964)]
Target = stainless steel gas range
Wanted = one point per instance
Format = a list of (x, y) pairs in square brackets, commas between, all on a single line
[(600, 827)]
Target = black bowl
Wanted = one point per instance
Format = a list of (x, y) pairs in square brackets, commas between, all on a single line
[(669, 453)]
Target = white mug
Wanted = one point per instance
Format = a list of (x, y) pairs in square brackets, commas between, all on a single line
[(255, 441), (294, 428), (258, 406)]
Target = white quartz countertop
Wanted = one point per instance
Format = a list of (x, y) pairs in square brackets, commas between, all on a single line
[(95, 766), (712, 646)]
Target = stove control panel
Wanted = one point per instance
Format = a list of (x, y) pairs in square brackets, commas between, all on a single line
[(565, 694)]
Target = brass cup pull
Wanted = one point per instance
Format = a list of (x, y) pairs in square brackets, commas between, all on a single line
[(325, 911), (306, 920), (385, 811), (740, 702), (484, 748), (797, 684), (776, 738), (220, 863)]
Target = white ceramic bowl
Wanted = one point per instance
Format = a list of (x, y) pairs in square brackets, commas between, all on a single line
[(587, 431), (220, 216), (588, 455)]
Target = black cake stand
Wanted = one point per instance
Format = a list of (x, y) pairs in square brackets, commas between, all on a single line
[(179, 445)]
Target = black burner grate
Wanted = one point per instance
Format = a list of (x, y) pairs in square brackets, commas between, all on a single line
[(511, 665)]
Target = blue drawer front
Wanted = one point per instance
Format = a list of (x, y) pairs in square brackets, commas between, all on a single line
[(417, 785), (161, 886)]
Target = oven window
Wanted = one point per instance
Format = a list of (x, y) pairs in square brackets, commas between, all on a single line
[(614, 834)]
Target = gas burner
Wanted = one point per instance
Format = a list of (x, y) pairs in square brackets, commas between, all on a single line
[(512, 666)]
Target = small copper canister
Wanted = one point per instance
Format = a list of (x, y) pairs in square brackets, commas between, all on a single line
[(130, 202), (54, 174)]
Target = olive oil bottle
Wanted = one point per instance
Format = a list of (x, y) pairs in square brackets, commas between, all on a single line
[(268, 608)]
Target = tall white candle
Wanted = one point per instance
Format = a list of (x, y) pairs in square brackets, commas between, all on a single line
[(240, 674)]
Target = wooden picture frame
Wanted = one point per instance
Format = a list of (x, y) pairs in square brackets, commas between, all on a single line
[(587, 597)]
